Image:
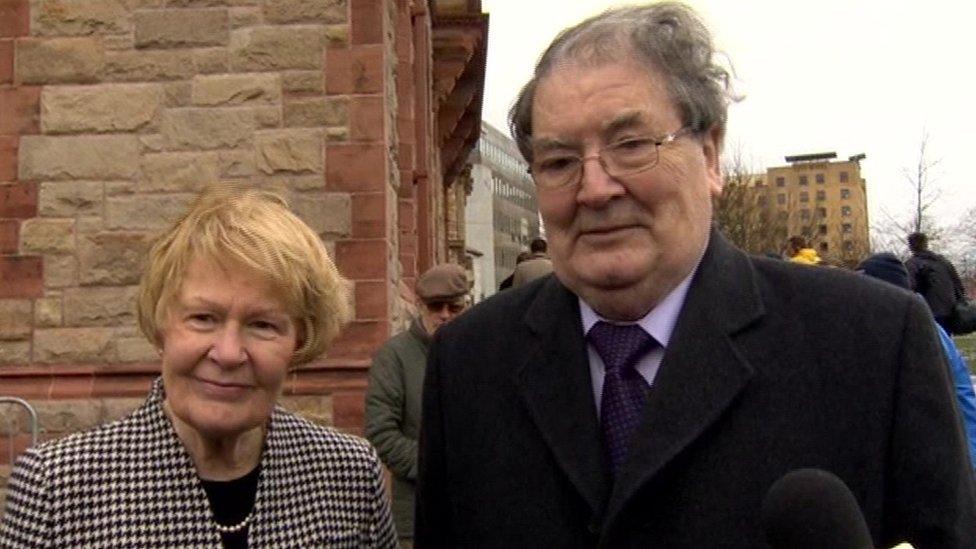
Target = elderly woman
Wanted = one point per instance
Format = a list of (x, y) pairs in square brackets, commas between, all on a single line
[(235, 294)]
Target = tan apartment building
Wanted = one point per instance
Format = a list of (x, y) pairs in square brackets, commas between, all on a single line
[(821, 199)]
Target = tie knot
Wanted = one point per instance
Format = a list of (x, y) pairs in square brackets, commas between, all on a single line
[(620, 346)]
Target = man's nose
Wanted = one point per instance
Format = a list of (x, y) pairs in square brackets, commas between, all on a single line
[(597, 186), (228, 349)]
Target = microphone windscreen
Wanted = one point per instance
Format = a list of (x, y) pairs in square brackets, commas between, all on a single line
[(811, 508)]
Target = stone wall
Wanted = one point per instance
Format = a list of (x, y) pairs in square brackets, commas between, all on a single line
[(115, 113)]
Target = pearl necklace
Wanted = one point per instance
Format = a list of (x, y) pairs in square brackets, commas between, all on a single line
[(233, 527)]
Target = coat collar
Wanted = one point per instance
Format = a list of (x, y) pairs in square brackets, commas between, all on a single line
[(700, 376), (554, 381), (702, 371)]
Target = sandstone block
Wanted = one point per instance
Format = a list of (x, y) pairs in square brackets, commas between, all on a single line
[(235, 164), (74, 345), (317, 409), (15, 352), (99, 306), (246, 17), (112, 257), (302, 82), (47, 236), (179, 172), (68, 416), (79, 17), (101, 108), (181, 28), (177, 94), (316, 112), (60, 271), (293, 151), (59, 60), (317, 11), (208, 128), (69, 199), (145, 212), (70, 157), (236, 89), (47, 312), (147, 66), (326, 213), (211, 60), (15, 319), (135, 349), (276, 48), (337, 36), (117, 408)]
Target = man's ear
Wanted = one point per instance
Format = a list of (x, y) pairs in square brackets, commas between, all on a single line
[(712, 151)]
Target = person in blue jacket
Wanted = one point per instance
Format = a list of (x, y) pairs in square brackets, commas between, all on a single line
[(885, 266)]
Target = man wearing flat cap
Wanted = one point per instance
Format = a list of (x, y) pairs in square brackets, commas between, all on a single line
[(396, 381)]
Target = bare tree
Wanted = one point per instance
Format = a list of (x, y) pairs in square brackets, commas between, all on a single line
[(923, 182), (741, 212)]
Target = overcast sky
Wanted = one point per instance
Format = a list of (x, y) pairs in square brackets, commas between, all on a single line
[(849, 76)]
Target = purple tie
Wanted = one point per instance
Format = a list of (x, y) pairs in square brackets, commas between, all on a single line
[(624, 390)]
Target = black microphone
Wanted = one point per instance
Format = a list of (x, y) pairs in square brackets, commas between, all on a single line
[(813, 509)]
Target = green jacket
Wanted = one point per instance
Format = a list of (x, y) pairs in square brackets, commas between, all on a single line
[(396, 382)]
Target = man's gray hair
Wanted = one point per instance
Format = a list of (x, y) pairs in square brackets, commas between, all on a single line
[(668, 37)]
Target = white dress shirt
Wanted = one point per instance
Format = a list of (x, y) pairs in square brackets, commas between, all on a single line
[(659, 322)]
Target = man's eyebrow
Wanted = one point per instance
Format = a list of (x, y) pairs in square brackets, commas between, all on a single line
[(543, 144), (624, 120)]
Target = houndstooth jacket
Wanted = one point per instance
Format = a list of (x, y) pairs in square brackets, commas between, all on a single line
[(132, 484)]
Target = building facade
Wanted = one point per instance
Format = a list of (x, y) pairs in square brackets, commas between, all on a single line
[(502, 211), (113, 115), (822, 199)]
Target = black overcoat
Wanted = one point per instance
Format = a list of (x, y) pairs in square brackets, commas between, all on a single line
[(771, 367)]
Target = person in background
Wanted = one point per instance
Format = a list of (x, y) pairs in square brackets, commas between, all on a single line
[(236, 294), (935, 278), (396, 381), (536, 265), (652, 391), (886, 266), (798, 251), (507, 283)]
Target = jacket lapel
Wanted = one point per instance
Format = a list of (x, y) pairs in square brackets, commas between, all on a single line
[(555, 385), (702, 371)]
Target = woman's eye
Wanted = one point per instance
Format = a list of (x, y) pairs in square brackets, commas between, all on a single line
[(201, 319)]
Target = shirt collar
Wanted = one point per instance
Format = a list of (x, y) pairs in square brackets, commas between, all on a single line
[(658, 322)]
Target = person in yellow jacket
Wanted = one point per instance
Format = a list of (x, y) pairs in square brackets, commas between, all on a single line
[(798, 252)]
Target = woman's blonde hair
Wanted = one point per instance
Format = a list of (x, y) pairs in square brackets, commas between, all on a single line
[(254, 229)]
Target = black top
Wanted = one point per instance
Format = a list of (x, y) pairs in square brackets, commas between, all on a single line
[(231, 501)]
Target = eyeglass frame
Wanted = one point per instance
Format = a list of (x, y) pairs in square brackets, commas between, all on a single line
[(575, 180)]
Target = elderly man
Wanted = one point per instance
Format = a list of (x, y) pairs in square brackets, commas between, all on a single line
[(396, 380), (651, 392)]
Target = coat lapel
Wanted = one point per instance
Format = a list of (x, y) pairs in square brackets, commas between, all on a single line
[(555, 385), (702, 371)]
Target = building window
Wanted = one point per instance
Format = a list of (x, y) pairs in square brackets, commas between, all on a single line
[(823, 229), (845, 211), (803, 180), (823, 247), (821, 195), (822, 213), (847, 227), (845, 194), (806, 232), (848, 245), (804, 196), (781, 181), (761, 201), (843, 177), (783, 216), (819, 178), (805, 214), (781, 199), (759, 183)]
